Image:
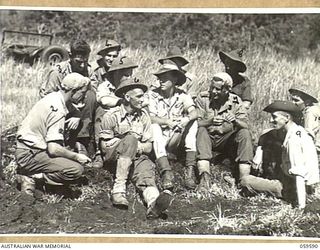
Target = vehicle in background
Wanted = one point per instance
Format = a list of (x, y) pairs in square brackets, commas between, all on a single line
[(30, 47)]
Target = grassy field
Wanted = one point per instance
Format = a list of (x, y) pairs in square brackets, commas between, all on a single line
[(224, 211)]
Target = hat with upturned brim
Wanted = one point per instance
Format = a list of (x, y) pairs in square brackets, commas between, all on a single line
[(174, 54), (285, 106), (304, 93), (74, 81), (174, 69), (110, 45), (122, 63), (235, 56), (129, 84)]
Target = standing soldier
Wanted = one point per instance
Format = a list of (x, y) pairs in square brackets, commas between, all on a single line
[(299, 164), (235, 67), (121, 69), (171, 110), (40, 150), (126, 140), (223, 127), (80, 119)]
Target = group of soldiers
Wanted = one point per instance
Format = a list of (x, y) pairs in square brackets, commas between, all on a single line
[(133, 129)]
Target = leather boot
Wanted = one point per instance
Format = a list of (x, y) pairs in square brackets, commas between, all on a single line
[(190, 178), (161, 204), (205, 182), (167, 176), (118, 193), (28, 184)]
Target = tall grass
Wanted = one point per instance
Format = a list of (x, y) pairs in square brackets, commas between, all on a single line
[(271, 74)]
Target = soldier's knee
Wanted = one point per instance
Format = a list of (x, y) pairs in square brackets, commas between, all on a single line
[(131, 140), (75, 171)]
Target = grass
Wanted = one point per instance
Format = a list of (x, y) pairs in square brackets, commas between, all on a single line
[(271, 74)]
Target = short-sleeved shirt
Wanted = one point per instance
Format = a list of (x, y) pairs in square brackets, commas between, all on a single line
[(232, 105), (299, 155), (45, 122), (311, 117), (121, 123), (173, 108), (243, 89), (55, 77), (98, 76)]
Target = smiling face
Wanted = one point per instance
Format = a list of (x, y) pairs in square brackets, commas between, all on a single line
[(279, 119), (135, 98), (218, 90), (110, 56)]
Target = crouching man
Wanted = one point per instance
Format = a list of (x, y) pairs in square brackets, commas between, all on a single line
[(40, 150), (125, 139), (299, 164)]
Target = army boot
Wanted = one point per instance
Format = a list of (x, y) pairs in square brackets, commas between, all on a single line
[(205, 176), (167, 176), (157, 208), (189, 179)]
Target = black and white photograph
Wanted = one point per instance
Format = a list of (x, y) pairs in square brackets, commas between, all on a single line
[(193, 122)]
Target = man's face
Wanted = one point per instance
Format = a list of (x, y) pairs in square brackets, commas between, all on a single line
[(121, 75), (79, 95), (110, 56), (166, 81), (79, 62), (297, 100), (135, 97), (278, 120), (218, 91)]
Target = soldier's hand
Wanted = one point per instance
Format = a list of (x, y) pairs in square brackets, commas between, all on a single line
[(230, 117), (73, 123), (171, 124), (217, 121), (83, 159)]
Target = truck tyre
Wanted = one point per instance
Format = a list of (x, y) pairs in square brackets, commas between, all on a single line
[(54, 54)]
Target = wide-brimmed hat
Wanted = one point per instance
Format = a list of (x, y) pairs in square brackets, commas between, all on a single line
[(166, 68), (128, 84), (304, 92), (285, 106), (174, 54), (234, 55), (110, 45), (122, 63)]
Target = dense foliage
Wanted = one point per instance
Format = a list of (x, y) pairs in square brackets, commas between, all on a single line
[(293, 34)]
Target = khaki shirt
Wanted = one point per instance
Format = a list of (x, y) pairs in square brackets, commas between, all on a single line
[(98, 76), (173, 108), (45, 122), (232, 105), (299, 155), (120, 123), (312, 123)]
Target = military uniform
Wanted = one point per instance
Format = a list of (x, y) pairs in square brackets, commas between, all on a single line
[(223, 136), (45, 123), (173, 108), (243, 89), (53, 83), (312, 123), (121, 136)]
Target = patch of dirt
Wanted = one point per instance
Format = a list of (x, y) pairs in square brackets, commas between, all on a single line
[(189, 213)]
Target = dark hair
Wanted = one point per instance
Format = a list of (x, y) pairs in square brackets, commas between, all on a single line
[(79, 46)]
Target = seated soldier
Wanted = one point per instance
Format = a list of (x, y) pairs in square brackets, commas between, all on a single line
[(299, 163), (223, 127), (122, 68), (125, 139), (173, 114), (40, 150)]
